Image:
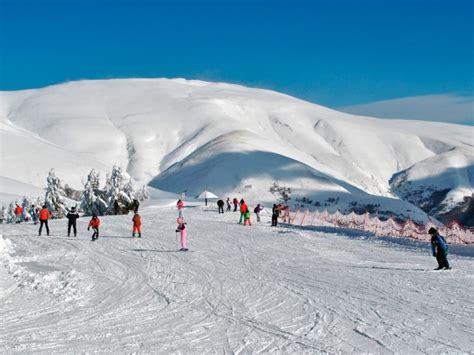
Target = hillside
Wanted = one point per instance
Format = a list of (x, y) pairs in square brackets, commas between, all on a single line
[(181, 135)]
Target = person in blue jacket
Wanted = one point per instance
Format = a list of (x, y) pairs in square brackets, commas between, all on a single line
[(439, 248)]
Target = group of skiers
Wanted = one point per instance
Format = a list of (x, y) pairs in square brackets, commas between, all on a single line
[(438, 243), (277, 211), (26, 215)]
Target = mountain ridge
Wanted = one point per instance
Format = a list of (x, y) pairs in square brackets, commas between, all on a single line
[(150, 125)]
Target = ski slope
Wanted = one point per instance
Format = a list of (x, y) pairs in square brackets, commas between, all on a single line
[(239, 289)]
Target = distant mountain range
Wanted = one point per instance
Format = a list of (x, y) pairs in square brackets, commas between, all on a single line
[(179, 135)]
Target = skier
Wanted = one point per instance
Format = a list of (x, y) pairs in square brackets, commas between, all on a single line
[(182, 229), (116, 207), (137, 225), (72, 217), (228, 204), (135, 205), (257, 210), (247, 217), (34, 214), (439, 247), (275, 213), (44, 215), (236, 202), (243, 209), (220, 205), (180, 206), (94, 223), (18, 214)]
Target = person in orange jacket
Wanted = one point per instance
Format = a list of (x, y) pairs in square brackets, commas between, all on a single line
[(137, 225), (243, 209), (18, 213), (44, 215), (94, 224)]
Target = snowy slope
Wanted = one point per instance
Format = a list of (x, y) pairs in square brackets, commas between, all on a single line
[(239, 289), (236, 140)]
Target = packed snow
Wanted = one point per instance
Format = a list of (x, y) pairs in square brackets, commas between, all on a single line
[(192, 135), (238, 290)]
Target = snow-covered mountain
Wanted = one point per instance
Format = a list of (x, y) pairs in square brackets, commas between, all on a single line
[(182, 135)]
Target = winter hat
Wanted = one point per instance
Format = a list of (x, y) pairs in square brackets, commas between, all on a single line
[(432, 231), (73, 208)]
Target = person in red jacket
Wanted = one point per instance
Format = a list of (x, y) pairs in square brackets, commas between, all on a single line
[(137, 225), (18, 213), (44, 215), (243, 209), (94, 224)]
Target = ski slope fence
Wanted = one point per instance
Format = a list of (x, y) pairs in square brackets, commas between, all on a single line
[(453, 232)]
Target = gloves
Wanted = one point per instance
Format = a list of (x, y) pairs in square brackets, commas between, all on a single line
[(434, 254), (88, 228), (177, 230)]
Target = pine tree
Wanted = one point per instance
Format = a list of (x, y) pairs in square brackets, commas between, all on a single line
[(92, 200), (3, 215), (143, 194), (117, 190), (55, 196), (11, 218)]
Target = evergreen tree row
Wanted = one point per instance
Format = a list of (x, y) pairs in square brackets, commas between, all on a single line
[(116, 197)]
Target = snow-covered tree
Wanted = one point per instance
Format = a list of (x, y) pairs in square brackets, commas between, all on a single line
[(118, 188), (282, 192), (11, 217), (3, 215), (26, 205), (55, 196), (92, 200), (143, 194)]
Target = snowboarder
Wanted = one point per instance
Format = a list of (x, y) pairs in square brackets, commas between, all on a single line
[(220, 205), (236, 202), (182, 229), (257, 210), (72, 217), (137, 225), (439, 247), (116, 207), (44, 215), (180, 206), (18, 214), (275, 214), (94, 223), (243, 209), (135, 205), (247, 217), (228, 204)]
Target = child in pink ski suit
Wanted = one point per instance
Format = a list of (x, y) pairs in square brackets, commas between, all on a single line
[(182, 228)]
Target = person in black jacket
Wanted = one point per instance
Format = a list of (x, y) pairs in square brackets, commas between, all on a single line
[(72, 217), (220, 204), (275, 214)]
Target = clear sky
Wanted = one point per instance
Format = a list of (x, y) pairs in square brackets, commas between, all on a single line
[(337, 53)]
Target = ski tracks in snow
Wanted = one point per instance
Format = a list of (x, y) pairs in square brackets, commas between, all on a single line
[(239, 289)]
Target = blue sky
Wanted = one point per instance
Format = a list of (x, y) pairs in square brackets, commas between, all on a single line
[(338, 53)]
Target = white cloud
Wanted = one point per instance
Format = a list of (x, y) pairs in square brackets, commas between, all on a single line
[(444, 108)]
